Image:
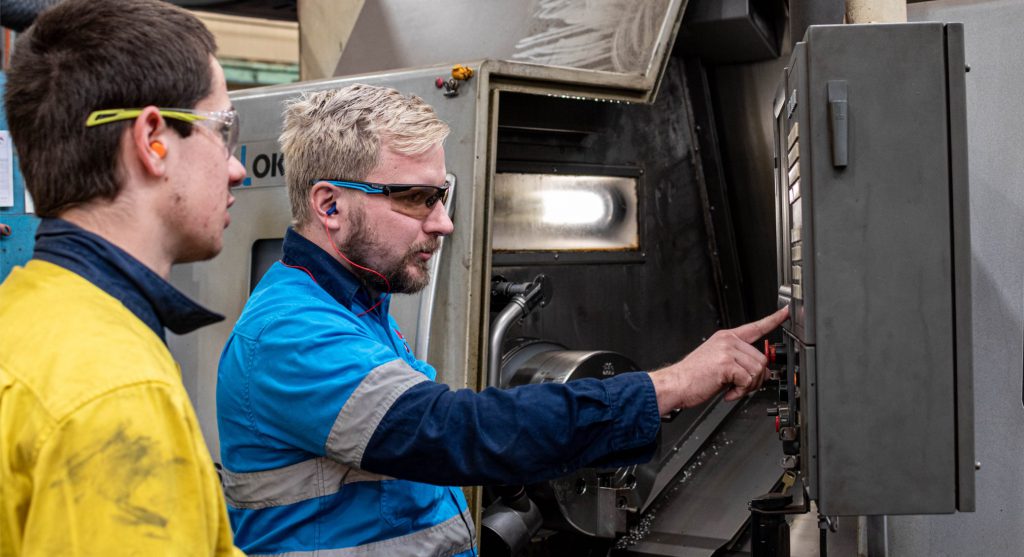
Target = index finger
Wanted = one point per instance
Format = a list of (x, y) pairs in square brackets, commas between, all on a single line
[(757, 329)]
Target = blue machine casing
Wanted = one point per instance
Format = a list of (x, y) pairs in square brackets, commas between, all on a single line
[(15, 249)]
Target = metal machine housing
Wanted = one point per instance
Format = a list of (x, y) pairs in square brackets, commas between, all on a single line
[(873, 256)]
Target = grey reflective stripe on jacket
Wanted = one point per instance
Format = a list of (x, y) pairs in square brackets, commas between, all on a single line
[(308, 479), (450, 537), (366, 407), (346, 442)]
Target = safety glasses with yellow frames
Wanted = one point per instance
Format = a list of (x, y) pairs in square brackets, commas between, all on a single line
[(223, 124), (414, 200)]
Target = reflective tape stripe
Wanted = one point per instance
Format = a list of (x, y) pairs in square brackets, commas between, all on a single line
[(366, 407), (450, 537), (283, 486)]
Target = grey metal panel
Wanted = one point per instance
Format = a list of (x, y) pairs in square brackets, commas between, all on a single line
[(618, 44), (717, 205), (743, 100), (261, 211), (883, 273), (705, 505), (680, 439), (995, 125)]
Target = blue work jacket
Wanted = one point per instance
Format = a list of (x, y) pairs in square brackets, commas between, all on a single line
[(335, 439)]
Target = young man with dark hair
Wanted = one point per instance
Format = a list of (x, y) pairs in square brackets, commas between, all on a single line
[(125, 132)]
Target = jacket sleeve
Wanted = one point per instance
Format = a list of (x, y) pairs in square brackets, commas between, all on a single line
[(521, 435), (123, 475)]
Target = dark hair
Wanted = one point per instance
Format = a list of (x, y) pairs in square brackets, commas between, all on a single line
[(86, 55)]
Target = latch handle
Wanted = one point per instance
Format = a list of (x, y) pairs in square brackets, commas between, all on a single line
[(839, 122)]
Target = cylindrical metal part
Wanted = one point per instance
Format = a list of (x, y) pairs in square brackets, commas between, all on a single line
[(876, 11), (590, 501), (506, 530), (523, 298)]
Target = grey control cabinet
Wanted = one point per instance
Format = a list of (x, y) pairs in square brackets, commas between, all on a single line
[(876, 410)]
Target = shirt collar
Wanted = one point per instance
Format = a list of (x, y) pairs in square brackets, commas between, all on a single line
[(151, 298), (327, 272)]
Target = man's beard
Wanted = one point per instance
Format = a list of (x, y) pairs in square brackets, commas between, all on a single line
[(362, 245)]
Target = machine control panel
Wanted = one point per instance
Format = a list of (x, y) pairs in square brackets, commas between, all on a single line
[(874, 410)]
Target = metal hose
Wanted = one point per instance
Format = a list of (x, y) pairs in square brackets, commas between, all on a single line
[(515, 309), (523, 297)]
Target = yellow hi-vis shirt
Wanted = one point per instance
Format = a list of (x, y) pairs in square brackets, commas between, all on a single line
[(100, 449)]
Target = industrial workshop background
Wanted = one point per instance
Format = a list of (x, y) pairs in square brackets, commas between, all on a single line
[(691, 116)]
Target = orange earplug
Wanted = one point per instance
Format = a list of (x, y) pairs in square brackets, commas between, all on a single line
[(159, 149)]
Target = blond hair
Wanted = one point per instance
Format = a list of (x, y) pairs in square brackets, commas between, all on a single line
[(338, 134)]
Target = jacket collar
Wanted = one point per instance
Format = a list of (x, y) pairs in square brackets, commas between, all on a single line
[(328, 272), (145, 293)]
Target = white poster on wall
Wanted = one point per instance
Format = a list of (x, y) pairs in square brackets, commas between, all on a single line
[(6, 170)]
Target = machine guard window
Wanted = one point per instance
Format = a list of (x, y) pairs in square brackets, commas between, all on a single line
[(571, 214)]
